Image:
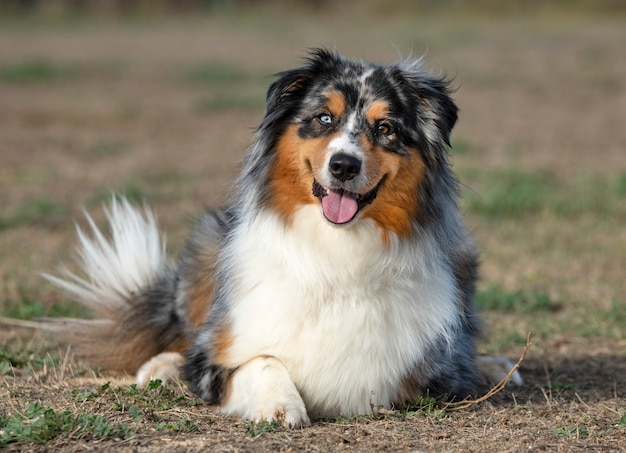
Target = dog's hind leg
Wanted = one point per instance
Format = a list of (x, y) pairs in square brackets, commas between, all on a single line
[(165, 366), (497, 368)]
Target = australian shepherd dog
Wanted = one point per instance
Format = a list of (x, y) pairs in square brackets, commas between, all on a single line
[(339, 279)]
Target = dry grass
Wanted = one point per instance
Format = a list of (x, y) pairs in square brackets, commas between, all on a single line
[(163, 109)]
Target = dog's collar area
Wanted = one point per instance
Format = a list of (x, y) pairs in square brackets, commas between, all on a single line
[(340, 206)]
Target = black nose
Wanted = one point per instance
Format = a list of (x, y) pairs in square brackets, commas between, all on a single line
[(344, 167)]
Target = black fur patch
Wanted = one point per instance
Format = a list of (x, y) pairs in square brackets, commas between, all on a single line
[(208, 381)]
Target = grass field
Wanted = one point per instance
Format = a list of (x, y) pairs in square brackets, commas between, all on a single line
[(162, 109)]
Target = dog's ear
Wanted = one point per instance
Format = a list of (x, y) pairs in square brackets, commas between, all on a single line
[(436, 111), (440, 111), (291, 86), (286, 88)]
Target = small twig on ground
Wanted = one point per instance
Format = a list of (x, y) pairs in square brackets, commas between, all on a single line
[(465, 404)]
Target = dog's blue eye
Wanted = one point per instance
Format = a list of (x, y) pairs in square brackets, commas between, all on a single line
[(325, 118)]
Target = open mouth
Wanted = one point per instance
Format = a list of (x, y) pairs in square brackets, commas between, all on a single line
[(340, 206)]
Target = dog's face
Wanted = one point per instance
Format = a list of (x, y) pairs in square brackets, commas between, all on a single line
[(356, 139)]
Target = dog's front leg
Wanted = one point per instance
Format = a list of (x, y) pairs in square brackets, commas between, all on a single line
[(261, 389)]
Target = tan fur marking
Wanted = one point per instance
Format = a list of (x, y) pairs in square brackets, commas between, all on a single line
[(409, 391), (121, 348), (124, 349), (222, 342), (336, 103), (291, 180), (180, 346), (397, 202), (199, 302), (202, 278), (377, 111)]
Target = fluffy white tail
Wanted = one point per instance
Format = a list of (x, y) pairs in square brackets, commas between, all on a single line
[(119, 276), (117, 269)]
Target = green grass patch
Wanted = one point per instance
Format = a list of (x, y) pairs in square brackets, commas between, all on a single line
[(31, 309), (25, 360), (139, 401), (617, 313), (36, 71), (611, 322), (106, 148), (515, 193), (508, 340), (575, 432), (426, 406), (39, 424), (151, 405), (261, 428), (184, 425), (562, 386), (618, 185), (511, 193), (38, 211), (526, 301), (462, 147)]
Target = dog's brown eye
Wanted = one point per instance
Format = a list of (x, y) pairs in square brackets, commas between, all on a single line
[(384, 129)]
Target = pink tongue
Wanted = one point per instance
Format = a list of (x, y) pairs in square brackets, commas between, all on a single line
[(339, 207)]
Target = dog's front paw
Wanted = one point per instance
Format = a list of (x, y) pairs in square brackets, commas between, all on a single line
[(287, 409), (262, 390)]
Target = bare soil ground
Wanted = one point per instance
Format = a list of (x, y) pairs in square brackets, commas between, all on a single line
[(163, 109)]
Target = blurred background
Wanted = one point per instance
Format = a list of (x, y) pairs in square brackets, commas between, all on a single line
[(158, 100)]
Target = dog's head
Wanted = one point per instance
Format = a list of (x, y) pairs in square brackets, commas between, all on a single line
[(359, 140)]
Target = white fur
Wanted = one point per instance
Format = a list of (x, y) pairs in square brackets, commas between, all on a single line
[(346, 314), (344, 144), (165, 366), (120, 267), (366, 74), (262, 389)]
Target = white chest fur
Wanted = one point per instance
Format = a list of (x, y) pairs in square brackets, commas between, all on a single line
[(347, 314)]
